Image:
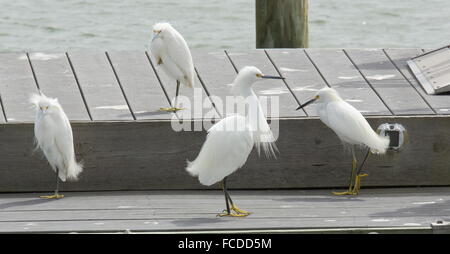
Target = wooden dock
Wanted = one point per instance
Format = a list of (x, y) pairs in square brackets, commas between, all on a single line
[(400, 210), (113, 99), (129, 147)]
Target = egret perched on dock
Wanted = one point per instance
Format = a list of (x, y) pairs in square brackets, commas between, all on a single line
[(230, 141), (172, 54), (351, 127), (53, 135)]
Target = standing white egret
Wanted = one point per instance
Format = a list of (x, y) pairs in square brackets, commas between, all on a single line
[(351, 127), (173, 56), (53, 135), (230, 141)]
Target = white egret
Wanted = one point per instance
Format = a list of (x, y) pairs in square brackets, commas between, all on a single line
[(173, 56), (351, 127), (53, 135), (230, 141)]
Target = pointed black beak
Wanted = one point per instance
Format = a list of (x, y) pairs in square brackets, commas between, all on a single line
[(272, 77), (306, 103)]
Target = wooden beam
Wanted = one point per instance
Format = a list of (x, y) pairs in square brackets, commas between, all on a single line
[(153, 156), (281, 23)]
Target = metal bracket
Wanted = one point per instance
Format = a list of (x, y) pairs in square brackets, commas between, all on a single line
[(396, 133)]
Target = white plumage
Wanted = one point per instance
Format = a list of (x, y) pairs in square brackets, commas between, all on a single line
[(347, 122), (172, 54), (53, 135), (351, 127), (230, 141), (225, 150)]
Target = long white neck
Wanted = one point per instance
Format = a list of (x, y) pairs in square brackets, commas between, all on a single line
[(256, 120), (242, 86)]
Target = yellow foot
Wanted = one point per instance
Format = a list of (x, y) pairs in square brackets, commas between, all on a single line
[(345, 193), (170, 109), (232, 214), (239, 211), (358, 182), (54, 196), (355, 189)]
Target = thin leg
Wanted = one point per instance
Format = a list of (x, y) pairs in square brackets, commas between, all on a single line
[(174, 107), (176, 94), (230, 205), (56, 195), (235, 208), (352, 177), (225, 193), (364, 161), (57, 182), (359, 175)]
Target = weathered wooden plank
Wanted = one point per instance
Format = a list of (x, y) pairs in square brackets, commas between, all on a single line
[(300, 74), (139, 82), (163, 201), (268, 87), (287, 209), (209, 211), (215, 224), (217, 73), (440, 103), (153, 156), (17, 84), (194, 101), (56, 79), (99, 86), (392, 87), (342, 75)]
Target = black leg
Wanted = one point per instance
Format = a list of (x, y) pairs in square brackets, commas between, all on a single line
[(359, 175), (364, 160), (228, 195), (224, 187), (57, 182), (176, 94)]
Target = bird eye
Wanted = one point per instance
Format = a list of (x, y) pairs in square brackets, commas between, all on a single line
[(258, 75), (317, 97)]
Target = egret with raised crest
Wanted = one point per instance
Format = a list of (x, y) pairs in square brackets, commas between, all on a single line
[(53, 135)]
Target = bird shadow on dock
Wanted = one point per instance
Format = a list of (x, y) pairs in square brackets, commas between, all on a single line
[(25, 203), (432, 208)]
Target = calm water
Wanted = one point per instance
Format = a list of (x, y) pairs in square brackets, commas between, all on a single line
[(55, 25)]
